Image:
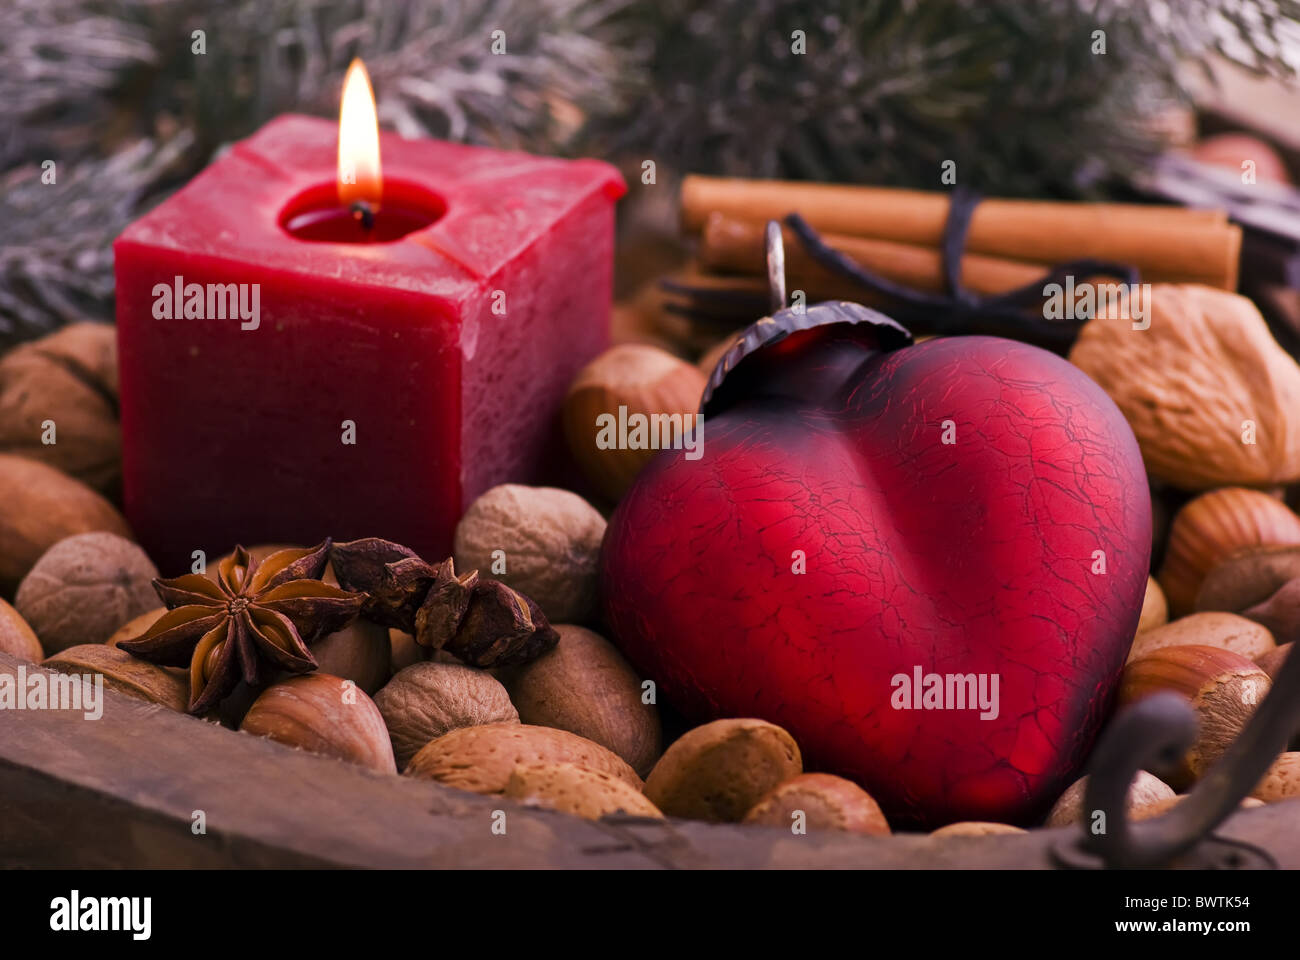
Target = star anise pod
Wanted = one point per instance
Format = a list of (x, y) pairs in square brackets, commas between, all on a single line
[(252, 620), (481, 621)]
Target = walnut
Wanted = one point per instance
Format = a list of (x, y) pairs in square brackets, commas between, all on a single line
[(67, 379), (428, 699), (84, 588), (542, 541), (1211, 397)]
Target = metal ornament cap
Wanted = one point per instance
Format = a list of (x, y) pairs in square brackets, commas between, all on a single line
[(785, 320)]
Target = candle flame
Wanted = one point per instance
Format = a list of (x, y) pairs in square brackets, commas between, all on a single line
[(359, 176)]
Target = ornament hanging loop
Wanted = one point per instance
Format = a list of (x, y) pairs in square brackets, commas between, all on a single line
[(775, 247)]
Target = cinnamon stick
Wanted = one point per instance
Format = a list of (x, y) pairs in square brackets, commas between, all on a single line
[(1171, 244), (729, 245), (749, 294)]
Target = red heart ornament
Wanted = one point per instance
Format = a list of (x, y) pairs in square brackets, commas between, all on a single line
[(861, 522)]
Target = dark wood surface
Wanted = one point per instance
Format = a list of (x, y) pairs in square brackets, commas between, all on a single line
[(121, 791)]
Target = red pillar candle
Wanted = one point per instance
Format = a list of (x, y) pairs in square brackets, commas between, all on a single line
[(368, 383)]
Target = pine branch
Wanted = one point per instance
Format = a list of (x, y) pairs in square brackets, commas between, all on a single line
[(888, 90), (56, 258), (60, 61)]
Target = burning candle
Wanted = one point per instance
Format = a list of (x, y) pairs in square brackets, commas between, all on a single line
[(357, 210), (334, 332)]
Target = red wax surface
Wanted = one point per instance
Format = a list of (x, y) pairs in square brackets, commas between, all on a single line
[(317, 215), (236, 435)]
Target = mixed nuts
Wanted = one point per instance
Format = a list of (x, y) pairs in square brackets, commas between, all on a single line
[(488, 671)]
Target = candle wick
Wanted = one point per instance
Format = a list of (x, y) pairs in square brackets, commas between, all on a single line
[(364, 213)]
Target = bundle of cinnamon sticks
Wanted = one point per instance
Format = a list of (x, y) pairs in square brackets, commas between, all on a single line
[(896, 234)]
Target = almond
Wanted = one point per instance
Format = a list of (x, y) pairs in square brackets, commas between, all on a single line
[(721, 770), (1282, 781), (820, 801), (976, 828), (482, 758), (1224, 630), (576, 790)]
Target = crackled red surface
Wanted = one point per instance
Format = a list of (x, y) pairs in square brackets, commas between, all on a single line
[(975, 557), (235, 435)]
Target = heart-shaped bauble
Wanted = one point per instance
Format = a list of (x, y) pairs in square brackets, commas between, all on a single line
[(926, 564)]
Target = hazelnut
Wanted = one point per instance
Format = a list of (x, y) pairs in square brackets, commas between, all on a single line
[(326, 715), (1142, 793), (643, 379), (125, 674), (542, 541), (84, 587), (403, 650), (1212, 629), (1280, 613), (427, 700), (586, 687), (1223, 688), (826, 802), (1211, 528), (69, 378), (1248, 578), (721, 770), (975, 828), (39, 506), (1282, 781), (1271, 661), (1155, 611), (482, 758), (360, 652), (16, 637), (576, 790)]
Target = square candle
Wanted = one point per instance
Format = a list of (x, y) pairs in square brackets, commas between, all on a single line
[(279, 390)]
